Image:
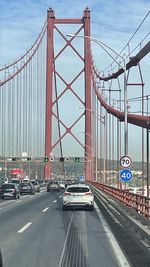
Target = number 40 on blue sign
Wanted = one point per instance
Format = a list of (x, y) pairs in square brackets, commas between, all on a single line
[(125, 175)]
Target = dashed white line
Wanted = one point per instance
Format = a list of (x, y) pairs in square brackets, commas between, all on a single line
[(24, 228), (45, 209), (63, 251), (54, 201)]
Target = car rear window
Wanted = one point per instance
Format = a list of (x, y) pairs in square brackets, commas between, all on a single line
[(7, 186), (34, 182), (15, 181), (78, 189), (25, 184)]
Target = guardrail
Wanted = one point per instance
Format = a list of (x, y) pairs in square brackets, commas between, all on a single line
[(137, 202)]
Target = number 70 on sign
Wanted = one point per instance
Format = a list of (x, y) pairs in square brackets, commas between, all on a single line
[(125, 162)]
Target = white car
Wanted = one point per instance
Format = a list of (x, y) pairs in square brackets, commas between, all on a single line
[(78, 195)]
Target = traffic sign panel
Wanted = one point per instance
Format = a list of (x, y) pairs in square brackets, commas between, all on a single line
[(125, 175), (125, 162), (46, 159), (24, 154), (77, 159)]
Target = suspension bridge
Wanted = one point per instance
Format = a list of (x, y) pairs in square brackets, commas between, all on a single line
[(57, 106)]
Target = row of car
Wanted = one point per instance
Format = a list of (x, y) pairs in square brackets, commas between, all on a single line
[(14, 189), (76, 195)]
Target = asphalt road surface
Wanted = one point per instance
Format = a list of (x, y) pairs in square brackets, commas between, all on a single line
[(35, 232)]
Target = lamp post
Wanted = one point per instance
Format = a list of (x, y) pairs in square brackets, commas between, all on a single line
[(6, 169), (24, 155), (104, 123), (91, 152), (105, 47), (94, 141), (102, 120)]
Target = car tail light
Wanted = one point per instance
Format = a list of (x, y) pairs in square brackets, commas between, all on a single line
[(66, 194), (88, 194), (14, 190)]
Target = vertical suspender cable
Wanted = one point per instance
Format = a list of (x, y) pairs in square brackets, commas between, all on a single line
[(37, 110), (1, 119), (113, 147), (9, 117), (59, 131), (17, 105), (26, 109), (31, 108), (106, 177), (23, 108), (40, 72), (118, 135), (100, 144), (109, 133)]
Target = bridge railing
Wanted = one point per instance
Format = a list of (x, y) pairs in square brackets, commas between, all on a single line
[(138, 202)]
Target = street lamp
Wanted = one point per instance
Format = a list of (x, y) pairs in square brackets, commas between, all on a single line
[(91, 152), (103, 45), (103, 121)]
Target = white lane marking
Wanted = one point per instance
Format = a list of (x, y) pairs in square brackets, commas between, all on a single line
[(118, 251), (62, 254), (45, 209), (54, 201), (60, 196), (24, 228)]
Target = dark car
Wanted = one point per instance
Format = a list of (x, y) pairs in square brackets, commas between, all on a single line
[(41, 182), (1, 262), (9, 190), (16, 181), (36, 185), (53, 185), (27, 188)]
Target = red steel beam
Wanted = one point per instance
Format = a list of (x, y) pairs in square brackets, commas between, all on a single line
[(133, 62), (139, 120), (68, 21), (49, 88), (88, 130)]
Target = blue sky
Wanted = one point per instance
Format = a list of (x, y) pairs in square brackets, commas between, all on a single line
[(112, 22)]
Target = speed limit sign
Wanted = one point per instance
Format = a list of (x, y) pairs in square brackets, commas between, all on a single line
[(125, 162)]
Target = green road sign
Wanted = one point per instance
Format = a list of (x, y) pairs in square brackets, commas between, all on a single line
[(46, 159), (77, 159)]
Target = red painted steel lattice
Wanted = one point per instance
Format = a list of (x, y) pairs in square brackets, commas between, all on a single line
[(84, 24)]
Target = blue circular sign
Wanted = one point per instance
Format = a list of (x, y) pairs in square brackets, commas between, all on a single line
[(125, 175)]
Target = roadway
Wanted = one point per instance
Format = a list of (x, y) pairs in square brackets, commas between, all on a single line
[(34, 231)]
